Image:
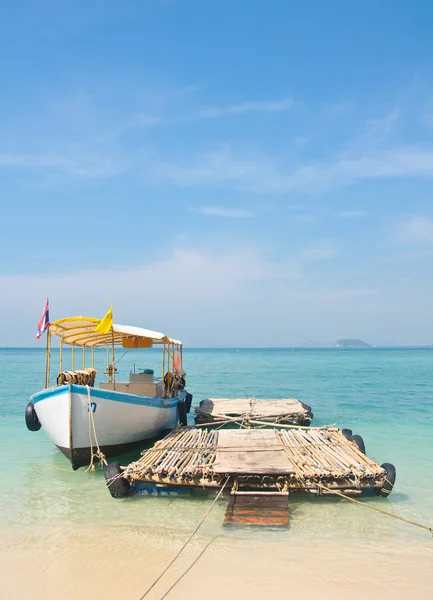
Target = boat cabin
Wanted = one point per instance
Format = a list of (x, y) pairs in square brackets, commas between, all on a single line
[(140, 384)]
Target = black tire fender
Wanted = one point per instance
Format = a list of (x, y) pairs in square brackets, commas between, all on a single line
[(188, 401), (117, 485), (359, 442), (347, 433), (309, 417), (181, 411), (32, 421), (389, 480)]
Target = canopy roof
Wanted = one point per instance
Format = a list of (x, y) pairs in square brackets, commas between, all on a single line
[(81, 332)]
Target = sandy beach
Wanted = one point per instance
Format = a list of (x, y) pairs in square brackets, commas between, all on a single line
[(115, 563)]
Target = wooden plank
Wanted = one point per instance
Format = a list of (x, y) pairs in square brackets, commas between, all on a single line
[(252, 451), (272, 514), (257, 504), (254, 407)]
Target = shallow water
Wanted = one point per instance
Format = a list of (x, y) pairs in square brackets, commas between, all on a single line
[(385, 395)]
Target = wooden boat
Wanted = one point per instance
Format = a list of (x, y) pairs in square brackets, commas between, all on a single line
[(85, 421)]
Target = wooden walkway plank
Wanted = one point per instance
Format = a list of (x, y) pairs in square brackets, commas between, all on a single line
[(259, 510)]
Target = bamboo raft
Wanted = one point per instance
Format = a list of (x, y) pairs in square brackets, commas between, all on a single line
[(288, 411), (284, 460)]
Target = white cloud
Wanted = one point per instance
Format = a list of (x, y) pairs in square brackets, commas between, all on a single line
[(221, 211), (246, 107), (214, 298), (352, 214), (263, 174), (136, 121), (143, 120), (416, 230), (356, 293), (201, 296), (318, 251), (383, 126), (82, 166)]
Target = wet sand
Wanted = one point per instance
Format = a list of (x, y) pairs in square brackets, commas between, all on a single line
[(121, 563)]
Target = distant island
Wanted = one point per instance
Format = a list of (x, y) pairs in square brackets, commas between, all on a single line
[(349, 343)]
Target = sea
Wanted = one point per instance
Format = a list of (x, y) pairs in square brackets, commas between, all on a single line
[(383, 394)]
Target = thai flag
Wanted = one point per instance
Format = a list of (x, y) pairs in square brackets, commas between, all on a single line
[(44, 323)]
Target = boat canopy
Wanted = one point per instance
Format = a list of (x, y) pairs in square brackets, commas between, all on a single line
[(80, 331)]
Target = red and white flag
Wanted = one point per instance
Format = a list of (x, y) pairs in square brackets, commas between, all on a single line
[(44, 323)]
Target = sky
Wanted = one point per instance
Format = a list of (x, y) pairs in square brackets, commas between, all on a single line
[(230, 173)]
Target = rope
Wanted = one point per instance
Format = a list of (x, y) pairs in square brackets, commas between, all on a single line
[(384, 512), (223, 419), (53, 467), (120, 357), (98, 454), (187, 542), (189, 568)]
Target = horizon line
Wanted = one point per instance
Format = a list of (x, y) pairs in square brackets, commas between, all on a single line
[(299, 346)]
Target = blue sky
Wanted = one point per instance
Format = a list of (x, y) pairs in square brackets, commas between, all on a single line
[(232, 173)]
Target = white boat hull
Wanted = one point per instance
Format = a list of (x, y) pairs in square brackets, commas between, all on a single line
[(121, 421)]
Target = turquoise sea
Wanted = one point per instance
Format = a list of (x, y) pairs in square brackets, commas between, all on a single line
[(385, 395)]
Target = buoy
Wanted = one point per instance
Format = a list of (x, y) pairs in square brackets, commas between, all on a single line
[(177, 363), (388, 482), (117, 486), (32, 421)]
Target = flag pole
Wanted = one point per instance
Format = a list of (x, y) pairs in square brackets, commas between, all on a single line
[(47, 360)]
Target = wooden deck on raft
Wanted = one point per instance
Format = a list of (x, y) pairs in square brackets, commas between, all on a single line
[(285, 411), (314, 460)]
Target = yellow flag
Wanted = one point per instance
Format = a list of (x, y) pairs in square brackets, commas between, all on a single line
[(106, 323)]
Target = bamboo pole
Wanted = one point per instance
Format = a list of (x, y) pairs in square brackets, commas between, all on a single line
[(163, 369), (113, 358), (108, 362)]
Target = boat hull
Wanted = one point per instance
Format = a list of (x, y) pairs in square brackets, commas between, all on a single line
[(78, 419)]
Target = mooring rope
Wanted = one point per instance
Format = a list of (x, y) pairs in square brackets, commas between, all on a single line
[(186, 544), (189, 568), (384, 512), (98, 454)]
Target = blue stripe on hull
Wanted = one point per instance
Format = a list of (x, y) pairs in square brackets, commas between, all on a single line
[(107, 395)]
